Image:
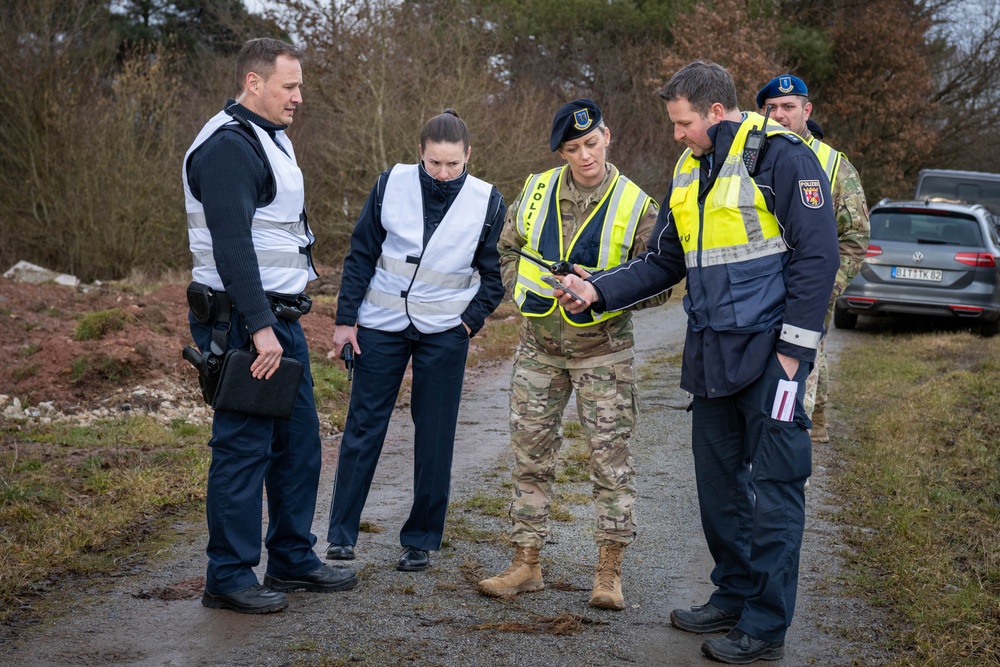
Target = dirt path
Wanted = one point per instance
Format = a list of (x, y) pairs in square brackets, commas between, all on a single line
[(437, 617)]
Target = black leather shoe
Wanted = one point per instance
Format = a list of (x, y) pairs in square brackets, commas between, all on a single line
[(324, 579), (413, 560), (739, 648), (340, 552), (254, 599), (706, 618)]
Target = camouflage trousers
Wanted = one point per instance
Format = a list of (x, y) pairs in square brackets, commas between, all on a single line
[(606, 398), (818, 382)]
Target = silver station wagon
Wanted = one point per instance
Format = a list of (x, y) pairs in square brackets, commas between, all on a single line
[(928, 259)]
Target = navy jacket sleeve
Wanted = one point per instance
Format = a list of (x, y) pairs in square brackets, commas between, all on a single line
[(366, 247), (811, 233), (487, 262), (228, 177)]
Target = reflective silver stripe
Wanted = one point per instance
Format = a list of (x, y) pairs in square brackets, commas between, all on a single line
[(396, 266), (831, 160), (733, 168), (830, 164), (633, 223), (539, 287), (737, 253), (684, 179), (399, 304), (297, 227), (529, 189), (680, 163), (269, 258), (800, 337), (285, 260), (423, 274), (610, 217)]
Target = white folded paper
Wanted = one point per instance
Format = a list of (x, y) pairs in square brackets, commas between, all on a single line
[(784, 400)]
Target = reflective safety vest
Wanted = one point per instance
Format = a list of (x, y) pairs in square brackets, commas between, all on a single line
[(280, 233), (829, 158), (603, 241), (429, 286), (732, 243)]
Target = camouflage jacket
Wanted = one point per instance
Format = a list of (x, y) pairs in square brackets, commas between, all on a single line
[(552, 336), (853, 227)]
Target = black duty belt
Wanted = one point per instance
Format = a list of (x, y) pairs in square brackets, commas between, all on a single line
[(289, 306)]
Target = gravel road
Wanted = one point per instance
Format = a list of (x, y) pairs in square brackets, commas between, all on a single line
[(152, 616)]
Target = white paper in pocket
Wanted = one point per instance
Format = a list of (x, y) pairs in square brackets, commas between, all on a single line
[(784, 400)]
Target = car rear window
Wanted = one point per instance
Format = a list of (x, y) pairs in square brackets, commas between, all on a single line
[(925, 227)]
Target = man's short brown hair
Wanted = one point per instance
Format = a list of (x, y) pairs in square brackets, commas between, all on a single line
[(702, 84), (259, 55)]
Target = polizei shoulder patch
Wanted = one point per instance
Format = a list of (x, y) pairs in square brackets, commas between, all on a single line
[(812, 194)]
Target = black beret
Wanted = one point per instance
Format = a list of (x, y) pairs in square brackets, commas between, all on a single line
[(779, 86), (573, 120)]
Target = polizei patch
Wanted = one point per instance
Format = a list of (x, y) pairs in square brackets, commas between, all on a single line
[(812, 194)]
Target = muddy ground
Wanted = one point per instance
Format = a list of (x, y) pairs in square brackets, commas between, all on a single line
[(153, 616)]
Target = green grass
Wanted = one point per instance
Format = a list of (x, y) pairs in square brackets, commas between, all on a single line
[(331, 388), (77, 501), (922, 490), (93, 326)]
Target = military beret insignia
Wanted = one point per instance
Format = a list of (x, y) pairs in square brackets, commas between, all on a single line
[(581, 119)]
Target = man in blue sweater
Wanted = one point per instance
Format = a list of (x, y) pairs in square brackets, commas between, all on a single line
[(250, 243), (756, 239)]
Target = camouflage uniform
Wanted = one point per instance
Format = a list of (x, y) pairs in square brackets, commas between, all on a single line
[(853, 231), (553, 359)]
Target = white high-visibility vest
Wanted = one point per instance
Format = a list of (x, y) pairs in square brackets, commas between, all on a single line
[(279, 230), (430, 287)]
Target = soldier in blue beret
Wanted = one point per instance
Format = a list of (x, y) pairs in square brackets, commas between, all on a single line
[(788, 98), (585, 213)]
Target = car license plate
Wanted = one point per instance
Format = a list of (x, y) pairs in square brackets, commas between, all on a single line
[(907, 273)]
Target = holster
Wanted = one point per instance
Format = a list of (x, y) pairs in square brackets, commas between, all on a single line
[(201, 301), (214, 309)]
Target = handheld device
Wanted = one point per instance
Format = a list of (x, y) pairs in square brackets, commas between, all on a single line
[(553, 282), (560, 268), (347, 354), (755, 144)]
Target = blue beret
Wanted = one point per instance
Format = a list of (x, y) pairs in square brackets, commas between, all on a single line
[(573, 120), (779, 86)]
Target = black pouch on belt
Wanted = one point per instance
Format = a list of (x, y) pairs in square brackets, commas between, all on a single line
[(201, 301)]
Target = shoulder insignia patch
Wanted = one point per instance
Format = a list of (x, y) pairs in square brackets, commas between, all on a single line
[(812, 194)]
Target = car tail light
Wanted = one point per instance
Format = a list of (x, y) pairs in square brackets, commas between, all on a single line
[(976, 259), (873, 251), (861, 301), (967, 311)]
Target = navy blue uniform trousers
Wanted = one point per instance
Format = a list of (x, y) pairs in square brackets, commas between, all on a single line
[(751, 472), (438, 374), (250, 454)]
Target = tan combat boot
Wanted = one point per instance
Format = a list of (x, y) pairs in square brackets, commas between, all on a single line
[(608, 579), (523, 576), (818, 434)]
